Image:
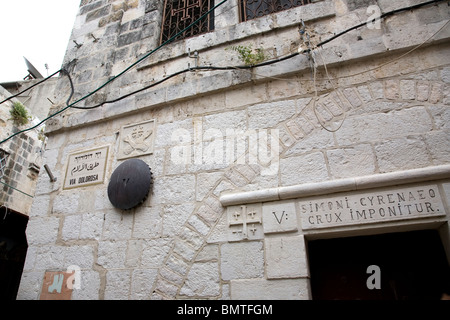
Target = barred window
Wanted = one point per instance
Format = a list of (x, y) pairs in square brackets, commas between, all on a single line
[(251, 9), (179, 14), (3, 161)]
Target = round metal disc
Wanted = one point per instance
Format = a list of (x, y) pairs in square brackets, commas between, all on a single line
[(130, 184)]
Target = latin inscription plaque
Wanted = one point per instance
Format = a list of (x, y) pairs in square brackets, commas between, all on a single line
[(370, 207)]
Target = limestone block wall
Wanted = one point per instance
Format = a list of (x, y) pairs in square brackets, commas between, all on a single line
[(371, 112), (24, 161)]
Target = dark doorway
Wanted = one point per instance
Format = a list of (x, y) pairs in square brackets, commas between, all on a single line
[(412, 265), (13, 250)]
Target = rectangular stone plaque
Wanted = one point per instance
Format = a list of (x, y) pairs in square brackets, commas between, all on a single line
[(279, 216), (375, 206), (136, 140), (86, 168)]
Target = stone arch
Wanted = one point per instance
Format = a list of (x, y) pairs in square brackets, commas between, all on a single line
[(331, 108)]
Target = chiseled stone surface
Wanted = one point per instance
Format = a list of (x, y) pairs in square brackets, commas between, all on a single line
[(286, 257), (371, 206), (261, 289), (279, 216), (242, 260), (368, 120)]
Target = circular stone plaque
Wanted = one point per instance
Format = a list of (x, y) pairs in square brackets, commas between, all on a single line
[(130, 184)]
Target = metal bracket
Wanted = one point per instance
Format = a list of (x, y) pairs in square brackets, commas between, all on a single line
[(95, 39), (77, 44), (193, 56), (50, 174)]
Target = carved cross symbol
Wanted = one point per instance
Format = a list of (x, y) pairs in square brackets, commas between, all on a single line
[(253, 229), (248, 218), (185, 8), (252, 214)]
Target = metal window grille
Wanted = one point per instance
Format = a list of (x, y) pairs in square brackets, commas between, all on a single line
[(179, 14), (251, 9), (3, 160)]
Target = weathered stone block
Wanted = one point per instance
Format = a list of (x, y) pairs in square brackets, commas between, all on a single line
[(423, 91), (172, 218), (202, 280), (286, 257), (79, 255), (142, 282), (242, 260), (177, 265), (303, 169), (439, 146), (408, 89), (111, 254), (101, 12), (117, 285), (42, 230), (117, 225), (401, 154), (268, 115), (351, 161), (374, 127), (40, 206), (174, 189), (71, 227), (129, 38), (261, 289), (154, 252), (279, 216), (392, 89)]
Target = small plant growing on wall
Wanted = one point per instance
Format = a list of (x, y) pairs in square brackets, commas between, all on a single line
[(248, 55), (41, 135), (19, 114)]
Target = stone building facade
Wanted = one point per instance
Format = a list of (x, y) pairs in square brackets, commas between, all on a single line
[(252, 167), (21, 159), (20, 164)]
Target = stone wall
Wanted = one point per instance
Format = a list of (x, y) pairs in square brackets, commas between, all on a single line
[(19, 177), (372, 112)]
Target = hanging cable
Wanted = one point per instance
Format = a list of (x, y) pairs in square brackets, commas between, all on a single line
[(72, 89), (150, 53), (387, 14), (266, 63), (120, 74), (384, 15), (31, 87), (9, 186), (262, 64), (310, 47)]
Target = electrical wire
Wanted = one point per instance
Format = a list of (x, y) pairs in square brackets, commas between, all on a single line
[(384, 15), (31, 87), (72, 89), (149, 53), (246, 67), (118, 75), (9, 186), (290, 56), (273, 61)]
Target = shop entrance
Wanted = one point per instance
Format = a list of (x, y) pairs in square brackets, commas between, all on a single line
[(411, 265), (13, 251)]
